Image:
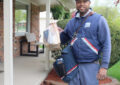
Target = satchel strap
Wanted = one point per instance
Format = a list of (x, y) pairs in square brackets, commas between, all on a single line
[(90, 14)]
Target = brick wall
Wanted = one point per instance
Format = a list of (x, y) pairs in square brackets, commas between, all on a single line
[(34, 29), (16, 40), (35, 20)]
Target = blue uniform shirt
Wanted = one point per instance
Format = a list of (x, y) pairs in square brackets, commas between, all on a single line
[(93, 38)]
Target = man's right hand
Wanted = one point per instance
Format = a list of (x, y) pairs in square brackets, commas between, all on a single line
[(60, 29)]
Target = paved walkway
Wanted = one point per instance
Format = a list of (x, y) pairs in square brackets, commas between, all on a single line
[(27, 70)]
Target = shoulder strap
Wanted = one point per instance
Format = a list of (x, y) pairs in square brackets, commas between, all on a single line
[(90, 14)]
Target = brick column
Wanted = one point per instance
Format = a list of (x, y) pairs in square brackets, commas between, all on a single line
[(35, 20), (1, 31)]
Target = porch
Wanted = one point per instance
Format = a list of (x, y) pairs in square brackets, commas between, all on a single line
[(27, 70), (22, 70)]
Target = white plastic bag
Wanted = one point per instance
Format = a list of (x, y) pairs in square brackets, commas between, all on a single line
[(52, 37)]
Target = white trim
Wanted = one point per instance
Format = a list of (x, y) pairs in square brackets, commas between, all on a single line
[(90, 46), (28, 2), (24, 1), (33, 2), (20, 34), (47, 52), (8, 42), (29, 17), (47, 13), (72, 69)]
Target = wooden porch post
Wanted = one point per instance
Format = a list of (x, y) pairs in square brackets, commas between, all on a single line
[(47, 52), (8, 42)]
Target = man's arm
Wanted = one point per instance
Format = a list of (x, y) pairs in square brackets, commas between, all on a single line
[(105, 40), (64, 36)]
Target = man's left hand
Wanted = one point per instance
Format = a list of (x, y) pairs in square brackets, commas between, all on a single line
[(102, 74)]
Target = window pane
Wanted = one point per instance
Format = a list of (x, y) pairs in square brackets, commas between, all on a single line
[(20, 20), (21, 15)]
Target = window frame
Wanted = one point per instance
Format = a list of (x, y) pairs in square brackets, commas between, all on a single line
[(17, 34)]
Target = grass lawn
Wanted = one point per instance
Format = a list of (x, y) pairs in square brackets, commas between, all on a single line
[(114, 71)]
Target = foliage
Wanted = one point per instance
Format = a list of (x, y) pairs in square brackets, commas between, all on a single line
[(62, 23), (115, 54), (20, 15), (66, 15), (59, 12), (107, 12), (114, 71), (113, 18)]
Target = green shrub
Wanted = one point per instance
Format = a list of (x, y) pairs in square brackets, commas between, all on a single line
[(67, 15), (115, 53), (62, 23), (59, 12)]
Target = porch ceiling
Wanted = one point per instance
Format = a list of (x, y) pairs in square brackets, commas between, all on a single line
[(66, 3), (42, 3)]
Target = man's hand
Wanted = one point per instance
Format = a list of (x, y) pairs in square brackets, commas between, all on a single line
[(102, 74), (60, 29)]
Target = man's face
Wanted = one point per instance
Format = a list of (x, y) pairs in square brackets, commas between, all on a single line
[(83, 5)]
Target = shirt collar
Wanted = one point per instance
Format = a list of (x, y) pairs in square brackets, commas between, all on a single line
[(78, 14)]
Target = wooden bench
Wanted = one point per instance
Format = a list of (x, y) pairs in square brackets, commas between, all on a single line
[(30, 38)]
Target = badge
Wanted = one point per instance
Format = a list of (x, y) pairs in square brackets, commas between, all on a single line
[(87, 25)]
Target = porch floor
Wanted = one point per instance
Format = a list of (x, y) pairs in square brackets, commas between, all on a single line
[(27, 70)]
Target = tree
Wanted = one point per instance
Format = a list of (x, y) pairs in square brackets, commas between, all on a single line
[(107, 12)]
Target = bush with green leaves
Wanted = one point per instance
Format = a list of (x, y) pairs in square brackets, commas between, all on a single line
[(113, 18), (59, 12), (115, 38), (62, 23)]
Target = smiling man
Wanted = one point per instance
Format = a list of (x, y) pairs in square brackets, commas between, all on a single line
[(92, 40)]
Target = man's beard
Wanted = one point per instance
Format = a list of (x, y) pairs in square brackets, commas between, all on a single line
[(82, 13)]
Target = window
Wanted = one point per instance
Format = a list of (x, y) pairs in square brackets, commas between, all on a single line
[(21, 17)]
